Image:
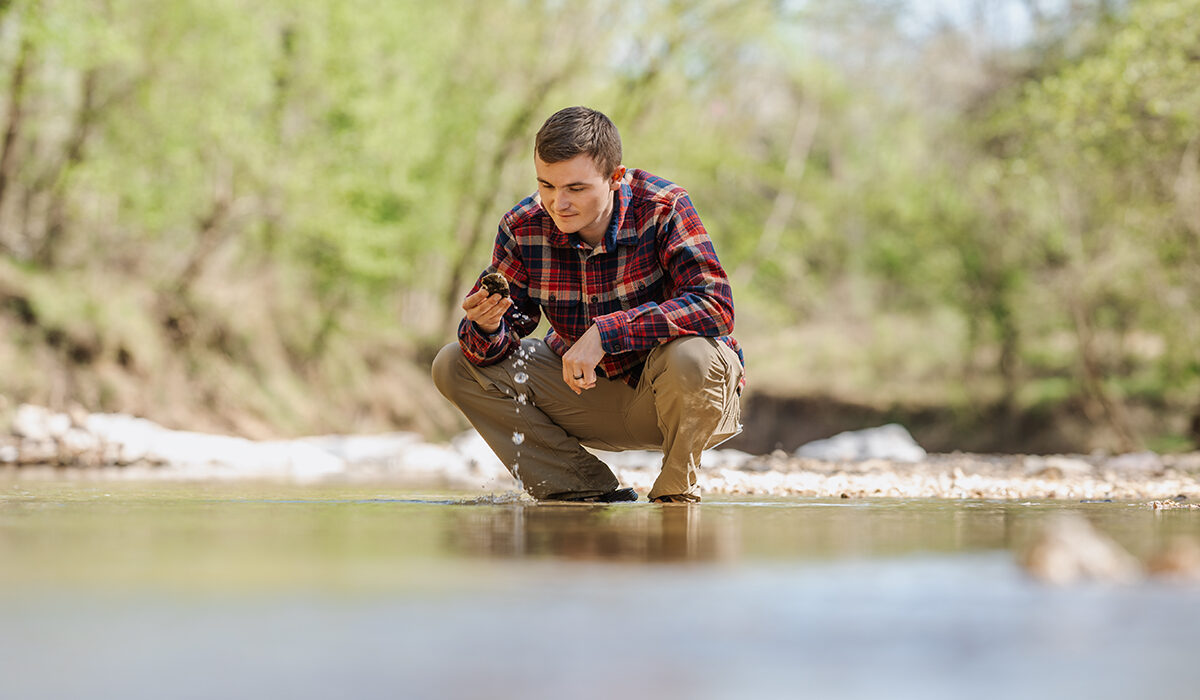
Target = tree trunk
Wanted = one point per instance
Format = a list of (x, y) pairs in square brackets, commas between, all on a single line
[(56, 215), (785, 199), (16, 113), (212, 230), (1103, 406)]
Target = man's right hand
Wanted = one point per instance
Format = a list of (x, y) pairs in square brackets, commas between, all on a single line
[(486, 311)]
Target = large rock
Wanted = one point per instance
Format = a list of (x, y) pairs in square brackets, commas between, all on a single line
[(137, 439), (1068, 550), (38, 423), (891, 441)]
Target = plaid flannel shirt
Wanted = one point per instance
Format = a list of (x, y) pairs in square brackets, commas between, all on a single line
[(653, 278)]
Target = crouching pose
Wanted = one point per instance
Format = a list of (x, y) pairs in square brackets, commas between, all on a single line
[(638, 355)]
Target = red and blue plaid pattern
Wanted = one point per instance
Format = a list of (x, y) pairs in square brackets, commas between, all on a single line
[(654, 277)]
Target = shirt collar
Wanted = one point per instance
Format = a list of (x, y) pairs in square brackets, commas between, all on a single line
[(622, 229)]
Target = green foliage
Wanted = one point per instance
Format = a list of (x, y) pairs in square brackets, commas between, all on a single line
[(301, 192)]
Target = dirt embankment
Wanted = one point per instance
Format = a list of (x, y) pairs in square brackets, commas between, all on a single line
[(786, 422)]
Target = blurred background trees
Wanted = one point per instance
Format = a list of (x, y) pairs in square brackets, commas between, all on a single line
[(261, 217)]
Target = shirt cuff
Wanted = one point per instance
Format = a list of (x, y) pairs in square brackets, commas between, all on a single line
[(484, 347), (615, 336)]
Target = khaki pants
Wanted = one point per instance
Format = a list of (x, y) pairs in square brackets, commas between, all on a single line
[(686, 401)]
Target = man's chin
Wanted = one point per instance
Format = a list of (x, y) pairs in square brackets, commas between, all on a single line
[(568, 226)]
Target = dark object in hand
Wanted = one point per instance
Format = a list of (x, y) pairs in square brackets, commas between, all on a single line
[(495, 283)]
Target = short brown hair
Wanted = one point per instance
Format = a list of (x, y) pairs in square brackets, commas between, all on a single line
[(575, 130)]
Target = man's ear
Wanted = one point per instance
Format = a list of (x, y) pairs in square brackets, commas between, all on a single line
[(617, 176)]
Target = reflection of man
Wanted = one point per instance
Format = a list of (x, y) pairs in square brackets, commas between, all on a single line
[(638, 355), (671, 534)]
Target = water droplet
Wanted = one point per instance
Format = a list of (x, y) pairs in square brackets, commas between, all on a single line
[(520, 378), (522, 399), (518, 438)]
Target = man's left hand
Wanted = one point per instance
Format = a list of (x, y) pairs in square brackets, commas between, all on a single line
[(579, 363)]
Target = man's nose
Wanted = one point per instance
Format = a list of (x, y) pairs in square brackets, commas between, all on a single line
[(562, 203)]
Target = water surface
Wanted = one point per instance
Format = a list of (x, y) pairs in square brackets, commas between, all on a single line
[(236, 590)]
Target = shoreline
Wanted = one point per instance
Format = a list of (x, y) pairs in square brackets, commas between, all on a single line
[(44, 445)]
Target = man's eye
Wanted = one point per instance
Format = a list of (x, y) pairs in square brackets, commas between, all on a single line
[(577, 189)]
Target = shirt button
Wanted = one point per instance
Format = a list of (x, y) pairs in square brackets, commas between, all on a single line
[(552, 297), (595, 299)]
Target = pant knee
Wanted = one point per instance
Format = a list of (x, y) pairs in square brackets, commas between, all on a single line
[(446, 369), (688, 363)]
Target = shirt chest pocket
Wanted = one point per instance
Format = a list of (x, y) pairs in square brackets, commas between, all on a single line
[(635, 290)]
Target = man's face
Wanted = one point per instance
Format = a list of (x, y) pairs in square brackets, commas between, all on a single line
[(577, 195)]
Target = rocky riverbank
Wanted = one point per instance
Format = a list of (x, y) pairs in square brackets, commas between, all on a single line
[(877, 463)]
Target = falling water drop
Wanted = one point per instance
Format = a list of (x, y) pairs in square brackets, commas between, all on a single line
[(518, 438), (520, 377)]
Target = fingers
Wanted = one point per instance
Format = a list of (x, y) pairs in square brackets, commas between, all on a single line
[(486, 311), (474, 300), (579, 377), (480, 304)]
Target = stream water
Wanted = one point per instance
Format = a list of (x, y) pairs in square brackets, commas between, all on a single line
[(126, 590)]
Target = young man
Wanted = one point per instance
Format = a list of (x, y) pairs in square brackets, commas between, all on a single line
[(638, 355)]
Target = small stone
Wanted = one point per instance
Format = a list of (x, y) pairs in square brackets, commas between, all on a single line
[(495, 283), (1056, 467)]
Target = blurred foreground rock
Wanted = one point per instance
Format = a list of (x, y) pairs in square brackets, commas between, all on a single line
[(1180, 560), (1068, 550), (120, 446)]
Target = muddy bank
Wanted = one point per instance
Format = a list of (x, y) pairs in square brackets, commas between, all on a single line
[(786, 422), (42, 443)]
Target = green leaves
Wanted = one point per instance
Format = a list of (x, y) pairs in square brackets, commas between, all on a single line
[(342, 166)]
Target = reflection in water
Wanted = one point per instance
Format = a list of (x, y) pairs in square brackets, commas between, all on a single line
[(611, 533), (306, 592)]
